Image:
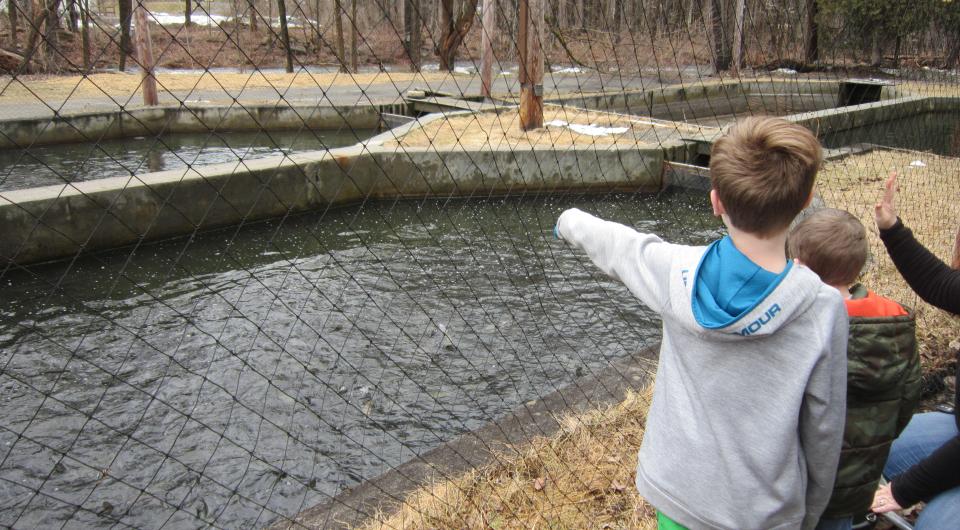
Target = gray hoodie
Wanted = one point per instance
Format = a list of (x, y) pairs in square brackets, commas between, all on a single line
[(746, 423)]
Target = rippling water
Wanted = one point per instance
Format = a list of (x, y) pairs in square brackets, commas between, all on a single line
[(57, 164), (249, 373)]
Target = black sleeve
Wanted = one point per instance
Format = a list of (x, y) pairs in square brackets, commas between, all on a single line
[(932, 475), (932, 279)]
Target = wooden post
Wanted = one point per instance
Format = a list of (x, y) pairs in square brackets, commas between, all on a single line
[(487, 31), (285, 33), (124, 9), (187, 11), (739, 12), (531, 64), (811, 51), (145, 56)]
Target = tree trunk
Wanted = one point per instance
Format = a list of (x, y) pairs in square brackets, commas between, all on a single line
[(253, 15), (341, 47), (876, 49), (145, 57), (811, 52), (721, 55), (50, 40), (955, 264), (896, 52), (187, 11), (489, 28), (85, 34), (73, 15), (12, 13), (353, 36), (413, 22), (125, 10), (34, 37), (285, 34), (454, 31), (739, 16)]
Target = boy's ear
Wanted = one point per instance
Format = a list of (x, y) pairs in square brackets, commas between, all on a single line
[(718, 208)]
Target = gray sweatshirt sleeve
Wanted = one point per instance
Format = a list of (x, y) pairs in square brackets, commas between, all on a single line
[(823, 411), (638, 260)]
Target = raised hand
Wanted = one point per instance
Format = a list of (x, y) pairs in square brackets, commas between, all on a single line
[(885, 212)]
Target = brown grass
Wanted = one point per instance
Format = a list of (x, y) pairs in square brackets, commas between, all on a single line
[(503, 130), (582, 477), (927, 203)]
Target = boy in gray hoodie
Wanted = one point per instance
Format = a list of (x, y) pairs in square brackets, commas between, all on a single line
[(747, 416)]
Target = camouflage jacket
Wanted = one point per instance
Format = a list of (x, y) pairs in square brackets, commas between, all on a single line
[(883, 389)]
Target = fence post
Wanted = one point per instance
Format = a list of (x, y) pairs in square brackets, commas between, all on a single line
[(531, 64), (145, 56)]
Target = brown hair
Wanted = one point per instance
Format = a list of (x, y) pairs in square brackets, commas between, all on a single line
[(833, 243), (763, 170)]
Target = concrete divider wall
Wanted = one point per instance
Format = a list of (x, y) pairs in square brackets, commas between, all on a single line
[(51, 222), (846, 118), (84, 127)]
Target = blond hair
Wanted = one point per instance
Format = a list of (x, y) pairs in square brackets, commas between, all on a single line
[(763, 170), (833, 243)]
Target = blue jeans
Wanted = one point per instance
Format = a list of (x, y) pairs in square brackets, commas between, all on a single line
[(925, 433), (845, 523)]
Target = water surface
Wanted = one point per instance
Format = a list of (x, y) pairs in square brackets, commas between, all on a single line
[(246, 374)]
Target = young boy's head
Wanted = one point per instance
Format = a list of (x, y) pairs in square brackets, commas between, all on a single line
[(833, 243), (762, 171)]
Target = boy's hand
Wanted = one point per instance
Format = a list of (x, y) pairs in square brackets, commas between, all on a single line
[(883, 500), (884, 212)]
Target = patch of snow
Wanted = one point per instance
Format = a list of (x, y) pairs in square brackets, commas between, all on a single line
[(556, 123), (567, 70), (166, 19), (593, 130), (787, 71), (467, 70), (917, 163)]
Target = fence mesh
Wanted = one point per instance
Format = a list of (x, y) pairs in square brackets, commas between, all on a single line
[(316, 280)]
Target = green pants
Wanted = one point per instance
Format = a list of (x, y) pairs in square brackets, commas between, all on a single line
[(665, 523)]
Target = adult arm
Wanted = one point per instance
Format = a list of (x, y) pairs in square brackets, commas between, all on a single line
[(936, 283), (640, 261), (823, 413), (928, 276), (932, 475)]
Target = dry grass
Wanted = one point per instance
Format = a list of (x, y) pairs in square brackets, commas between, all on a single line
[(489, 129), (927, 202), (582, 477)]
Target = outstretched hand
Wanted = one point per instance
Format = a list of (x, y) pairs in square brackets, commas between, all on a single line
[(885, 212), (883, 500)]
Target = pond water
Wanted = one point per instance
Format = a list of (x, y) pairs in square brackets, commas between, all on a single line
[(246, 374), (57, 164), (936, 132)]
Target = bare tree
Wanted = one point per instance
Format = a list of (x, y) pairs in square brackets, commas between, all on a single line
[(285, 34), (125, 10), (12, 14), (454, 29)]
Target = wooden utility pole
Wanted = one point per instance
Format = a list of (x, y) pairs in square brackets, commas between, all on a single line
[(739, 12), (531, 64), (487, 31), (285, 33), (145, 56)]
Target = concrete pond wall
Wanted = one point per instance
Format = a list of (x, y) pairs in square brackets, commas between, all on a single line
[(52, 222)]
